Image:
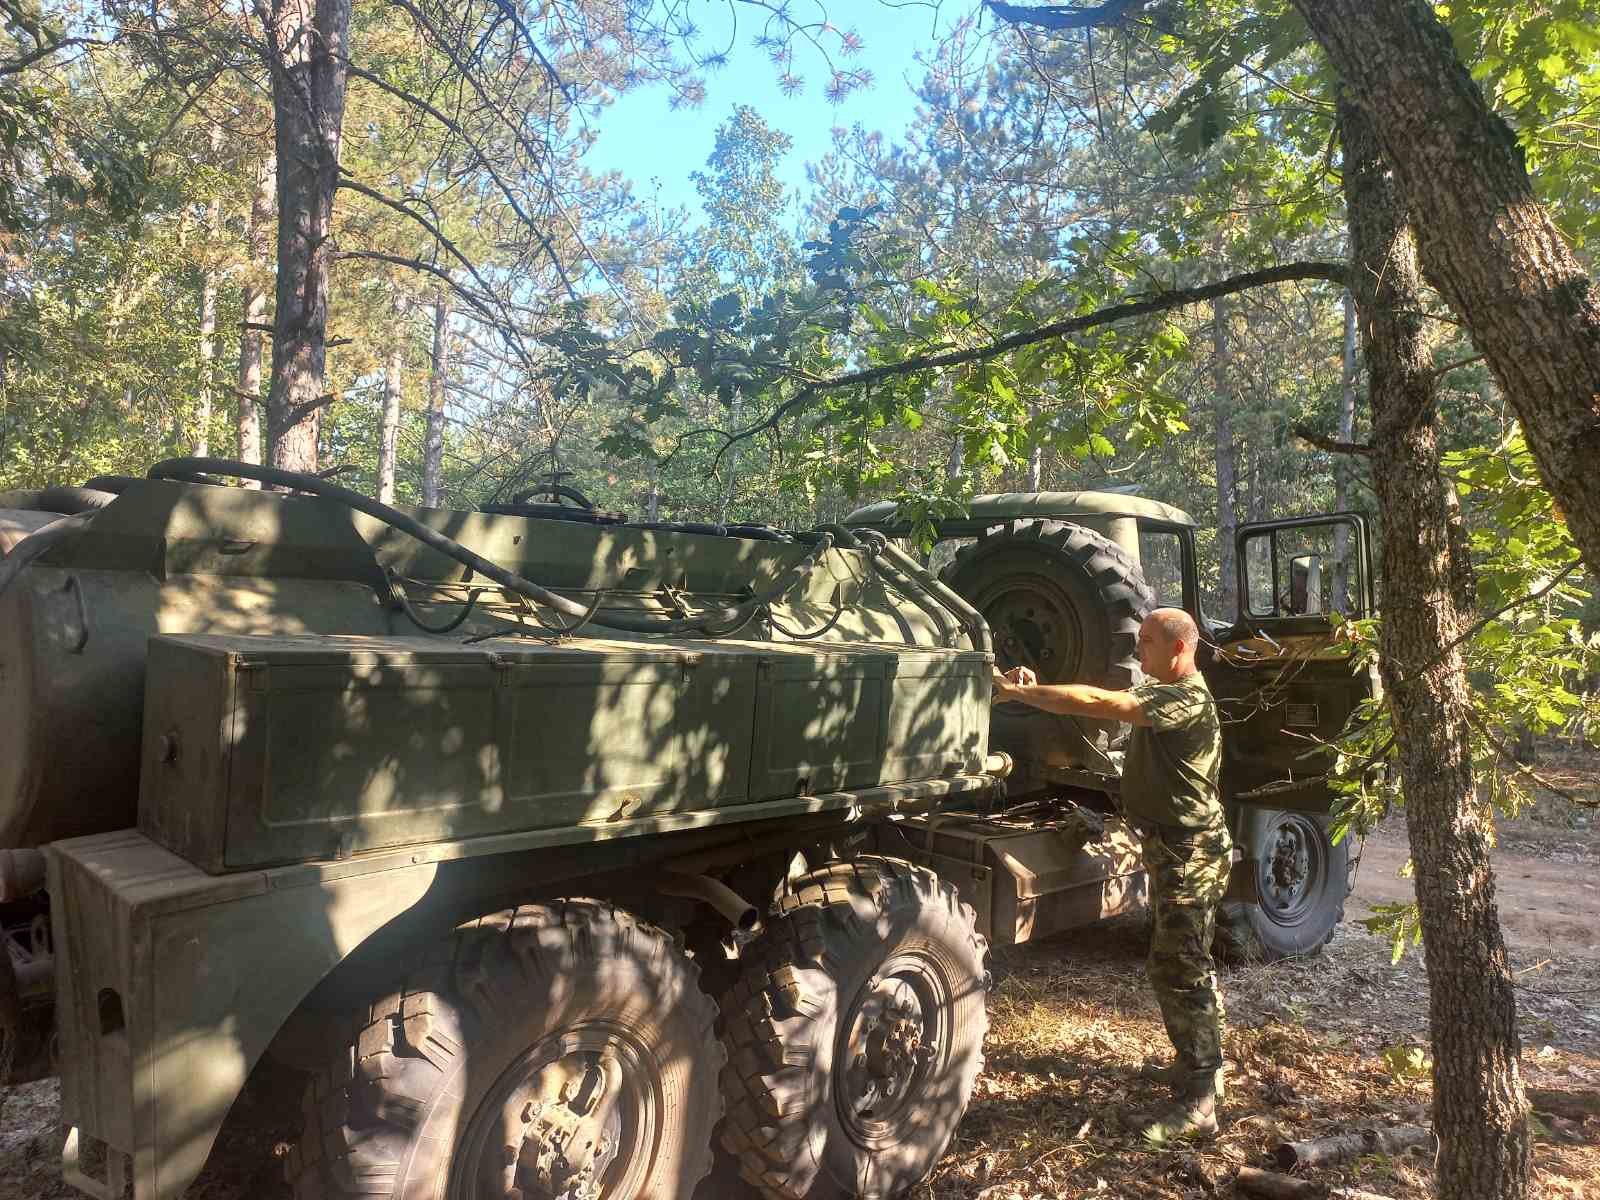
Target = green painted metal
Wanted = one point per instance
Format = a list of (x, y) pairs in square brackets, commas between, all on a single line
[(232, 671), (264, 750), (984, 511)]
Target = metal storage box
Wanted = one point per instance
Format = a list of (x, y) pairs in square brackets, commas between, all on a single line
[(263, 750)]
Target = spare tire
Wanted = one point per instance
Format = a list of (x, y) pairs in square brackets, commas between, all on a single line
[(1067, 602), (1059, 598)]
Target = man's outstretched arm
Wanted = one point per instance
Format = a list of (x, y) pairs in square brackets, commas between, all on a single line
[(1067, 699)]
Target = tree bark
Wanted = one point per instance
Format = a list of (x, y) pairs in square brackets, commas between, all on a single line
[(208, 314), (389, 430), (208, 348), (1341, 464), (433, 443), (1486, 243), (1478, 1108), (309, 42), (253, 303), (1227, 460), (730, 461)]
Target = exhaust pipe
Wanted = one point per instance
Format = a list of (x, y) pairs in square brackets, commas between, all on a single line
[(738, 911)]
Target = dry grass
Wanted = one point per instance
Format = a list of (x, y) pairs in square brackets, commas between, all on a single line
[(1073, 1020)]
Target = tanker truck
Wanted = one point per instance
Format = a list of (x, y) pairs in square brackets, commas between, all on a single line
[(557, 849)]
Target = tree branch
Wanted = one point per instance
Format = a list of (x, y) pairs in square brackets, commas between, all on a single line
[(1331, 445), (22, 62), (1482, 622), (301, 411), (504, 188), (1510, 756), (416, 264), (1332, 272), (1062, 16)]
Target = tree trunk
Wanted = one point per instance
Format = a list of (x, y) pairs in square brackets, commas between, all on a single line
[(1341, 466), (208, 350), (254, 305), (208, 314), (1227, 458), (1478, 1104), (389, 430), (1486, 243), (730, 460), (309, 41), (433, 443)]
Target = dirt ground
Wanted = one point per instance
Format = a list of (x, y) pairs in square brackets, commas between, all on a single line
[(1316, 1047)]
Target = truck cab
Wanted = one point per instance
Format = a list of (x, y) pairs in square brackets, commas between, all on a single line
[(1064, 579)]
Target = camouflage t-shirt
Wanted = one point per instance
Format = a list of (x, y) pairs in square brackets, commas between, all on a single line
[(1170, 772)]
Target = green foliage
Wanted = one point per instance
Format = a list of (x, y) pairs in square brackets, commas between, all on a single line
[(1540, 66), (1409, 1064)]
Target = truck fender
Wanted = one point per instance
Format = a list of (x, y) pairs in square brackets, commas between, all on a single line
[(171, 983)]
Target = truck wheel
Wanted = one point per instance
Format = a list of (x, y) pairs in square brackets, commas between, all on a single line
[(1060, 598), (1302, 879), (855, 1033), (562, 1049)]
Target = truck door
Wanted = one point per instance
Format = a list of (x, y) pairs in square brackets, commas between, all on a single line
[(1284, 681)]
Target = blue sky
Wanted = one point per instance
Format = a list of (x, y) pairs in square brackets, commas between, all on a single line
[(657, 147)]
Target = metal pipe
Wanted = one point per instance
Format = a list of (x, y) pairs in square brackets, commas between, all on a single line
[(740, 913), (797, 833), (897, 579), (38, 543), (846, 537), (22, 873), (976, 627), (721, 622)]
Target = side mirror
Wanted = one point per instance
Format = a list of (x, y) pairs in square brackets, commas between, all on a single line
[(1305, 586)]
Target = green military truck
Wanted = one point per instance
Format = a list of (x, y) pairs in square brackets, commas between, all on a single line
[(1063, 580), (552, 847)]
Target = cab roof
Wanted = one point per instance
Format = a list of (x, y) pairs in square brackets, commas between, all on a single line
[(984, 511)]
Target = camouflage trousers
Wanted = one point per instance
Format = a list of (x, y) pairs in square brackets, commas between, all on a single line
[(1188, 874)]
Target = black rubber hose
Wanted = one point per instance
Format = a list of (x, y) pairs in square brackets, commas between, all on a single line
[(41, 540), (109, 483), (718, 623), (72, 500)]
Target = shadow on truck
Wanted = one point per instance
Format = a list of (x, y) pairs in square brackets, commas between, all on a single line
[(549, 847)]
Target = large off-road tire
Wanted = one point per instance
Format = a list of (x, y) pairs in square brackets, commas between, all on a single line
[(855, 1033), (1059, 598), (564, 1049), (1302, 879)]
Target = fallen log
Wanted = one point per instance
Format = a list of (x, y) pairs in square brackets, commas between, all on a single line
[(1342, 1147), (1269, 1185), (1558, 1102)]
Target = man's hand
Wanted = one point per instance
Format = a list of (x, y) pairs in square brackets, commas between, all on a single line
[(1006, 685)]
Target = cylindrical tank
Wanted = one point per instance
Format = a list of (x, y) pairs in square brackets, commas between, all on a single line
[(186, 558)]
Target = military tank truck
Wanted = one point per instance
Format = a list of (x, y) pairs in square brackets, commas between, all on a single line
[(541, 841), (549, 846), (1063, 580)]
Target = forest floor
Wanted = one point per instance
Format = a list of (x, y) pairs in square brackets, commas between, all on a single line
[(1328, 1045)]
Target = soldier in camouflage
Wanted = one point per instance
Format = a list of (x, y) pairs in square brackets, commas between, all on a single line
[(1170, 795)]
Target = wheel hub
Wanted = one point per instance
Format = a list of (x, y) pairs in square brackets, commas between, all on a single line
[(561, 1118), (890, 1041), (1292, 867), (1032, 629), (1291, 863)]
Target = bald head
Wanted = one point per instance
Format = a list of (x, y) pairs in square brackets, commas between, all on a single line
[(1167, 641)]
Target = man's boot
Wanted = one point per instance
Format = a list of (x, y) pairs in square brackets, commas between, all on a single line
[(1194, 1115), (1174, 1074)]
